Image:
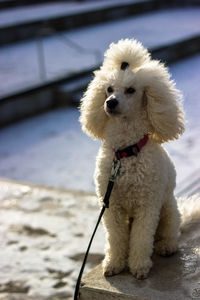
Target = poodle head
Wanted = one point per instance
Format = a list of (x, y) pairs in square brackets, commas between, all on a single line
[(123, 93), (129, 85)]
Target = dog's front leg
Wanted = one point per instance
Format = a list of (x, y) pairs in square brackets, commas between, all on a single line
[(141, 241), (117, 234)]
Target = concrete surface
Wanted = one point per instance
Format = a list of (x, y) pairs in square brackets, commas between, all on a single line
[(171, 278)]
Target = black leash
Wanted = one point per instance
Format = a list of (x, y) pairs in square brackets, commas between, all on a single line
[(114, 172), (126, 152)]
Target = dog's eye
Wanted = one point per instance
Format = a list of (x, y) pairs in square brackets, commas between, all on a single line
[(109, 89), (130, 90)]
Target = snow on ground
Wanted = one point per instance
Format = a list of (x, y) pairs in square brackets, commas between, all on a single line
[(44, 235), (78, 49), (51, 149)]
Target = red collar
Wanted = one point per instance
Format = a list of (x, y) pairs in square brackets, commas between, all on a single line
[(133, 149)]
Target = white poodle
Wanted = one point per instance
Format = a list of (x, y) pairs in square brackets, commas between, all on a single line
[(132, 99)]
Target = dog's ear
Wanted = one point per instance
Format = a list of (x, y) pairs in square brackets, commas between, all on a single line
[(93, 117), (163, 102)]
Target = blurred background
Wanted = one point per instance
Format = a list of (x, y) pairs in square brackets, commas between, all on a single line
[(48, 51)]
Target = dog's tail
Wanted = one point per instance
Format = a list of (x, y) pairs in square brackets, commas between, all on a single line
[(190, 212)]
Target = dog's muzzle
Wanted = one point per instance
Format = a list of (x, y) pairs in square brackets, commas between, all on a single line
[(111, 103)]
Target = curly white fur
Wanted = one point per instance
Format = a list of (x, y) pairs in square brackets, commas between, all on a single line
[(144, 188)]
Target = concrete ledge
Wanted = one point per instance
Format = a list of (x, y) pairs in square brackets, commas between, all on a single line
[(17, 3), (19, 108), (171, 278), (32, 29), (66, 90), (42, 97)]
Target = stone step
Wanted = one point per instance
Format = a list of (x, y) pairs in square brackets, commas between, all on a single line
[(171, 278), (68, 90), (71, 93), (78, 52), (59, 80), (47, 19), (18, 3)]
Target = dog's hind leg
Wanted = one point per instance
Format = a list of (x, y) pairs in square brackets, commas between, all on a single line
[(117, 233), (166, 239)]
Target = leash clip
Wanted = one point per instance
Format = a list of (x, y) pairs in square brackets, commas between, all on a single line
[(114, 170)]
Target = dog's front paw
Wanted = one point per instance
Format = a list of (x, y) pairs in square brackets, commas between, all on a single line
[(140, 269), (111, 267), (166, 247)]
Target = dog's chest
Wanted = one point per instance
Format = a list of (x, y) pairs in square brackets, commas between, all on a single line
[(129, 182), (136, 176)]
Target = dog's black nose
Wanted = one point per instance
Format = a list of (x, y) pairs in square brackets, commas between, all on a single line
[(112, 103)]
